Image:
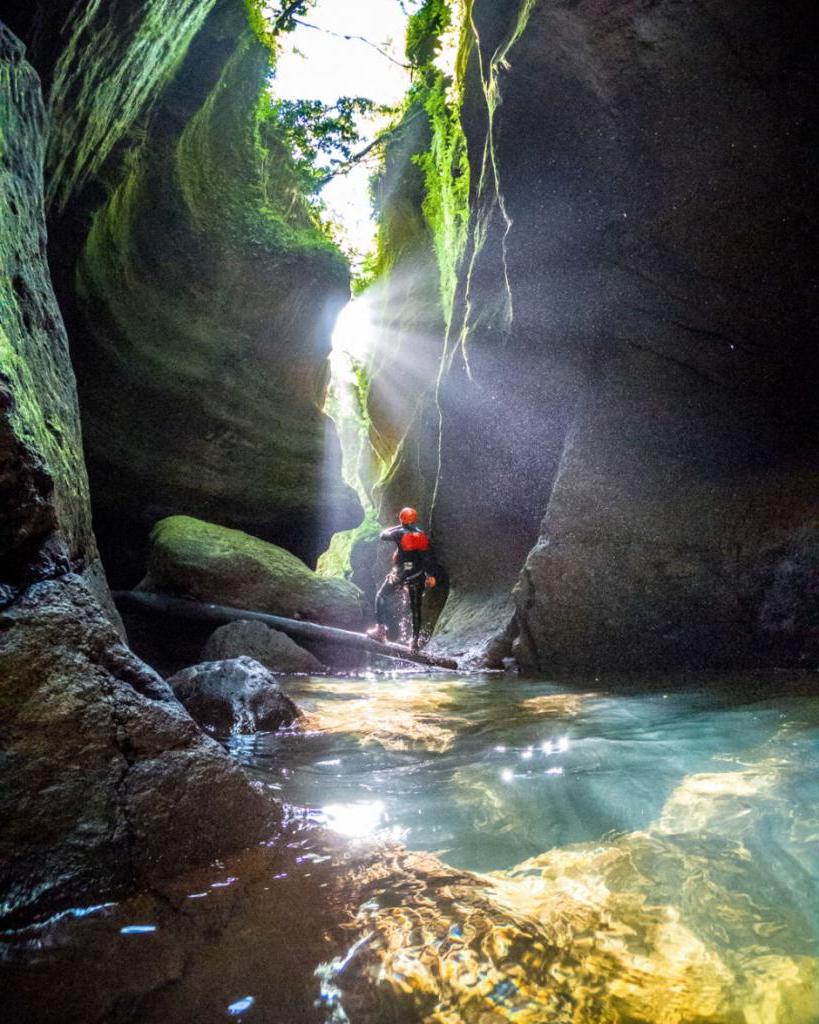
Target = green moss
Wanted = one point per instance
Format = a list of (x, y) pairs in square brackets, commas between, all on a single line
[(424, 30), (446, 176), (105, 80), (337, 559), (42, 472), (346, 405), (429, 204), (236, 174), (200, 560), (260, 23), (197, 543), (209, 291), (421, 199)]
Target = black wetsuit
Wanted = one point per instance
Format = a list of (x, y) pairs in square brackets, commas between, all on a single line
[(413, 563)]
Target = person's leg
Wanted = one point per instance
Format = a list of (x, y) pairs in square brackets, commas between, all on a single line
[(416, 596), (379, 631), (384, 591)]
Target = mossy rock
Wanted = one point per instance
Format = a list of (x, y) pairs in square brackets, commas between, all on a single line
[(205, 562)]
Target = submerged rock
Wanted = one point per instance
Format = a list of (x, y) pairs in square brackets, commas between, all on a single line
[(237, 695), (270, 647), (673, 924), (205, 562)]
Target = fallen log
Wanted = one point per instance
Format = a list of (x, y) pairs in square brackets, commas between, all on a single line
[(298, 629)]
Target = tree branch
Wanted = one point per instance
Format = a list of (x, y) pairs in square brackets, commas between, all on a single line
[(361, 39), (359, 156), (285, 13)]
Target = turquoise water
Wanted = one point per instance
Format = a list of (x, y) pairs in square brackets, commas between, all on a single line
[(699, 805), (481, 850), (487, 771)]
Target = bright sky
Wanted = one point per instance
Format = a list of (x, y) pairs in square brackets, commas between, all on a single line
[(318, 65)]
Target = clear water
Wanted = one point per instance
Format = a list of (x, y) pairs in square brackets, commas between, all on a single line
[(486, 772), (700, 805), (486, 849)]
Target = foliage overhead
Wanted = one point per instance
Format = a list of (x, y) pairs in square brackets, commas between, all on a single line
[(424, 30), (269, 20), (322, 137)]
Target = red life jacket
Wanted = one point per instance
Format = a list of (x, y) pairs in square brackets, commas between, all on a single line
[(415, 540)]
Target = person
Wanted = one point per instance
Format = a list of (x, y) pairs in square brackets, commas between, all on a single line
[(413, 569)]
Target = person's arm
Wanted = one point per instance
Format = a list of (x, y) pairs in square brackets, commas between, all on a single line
[(430, 568), (390, 532)]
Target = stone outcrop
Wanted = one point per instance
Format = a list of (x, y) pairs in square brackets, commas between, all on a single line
[(46, 520), (272, 648), (105, 781), (198, 290), (204, 562), (233, 696), (627, 406)]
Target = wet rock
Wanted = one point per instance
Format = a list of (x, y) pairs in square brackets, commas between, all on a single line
[(354, 554), (106, 782), (46, 520), (789, 610), (237, 695), (270, 647), (204, 562)]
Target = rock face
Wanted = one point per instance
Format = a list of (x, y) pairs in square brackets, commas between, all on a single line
[(272, 648), (199, 292), (627, 405), (105, 782), (204, 562), (237, 695), (46, 521)]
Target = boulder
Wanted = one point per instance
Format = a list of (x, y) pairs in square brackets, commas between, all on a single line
[(205, 562), (105, 781), (270, 647), (234, 696)]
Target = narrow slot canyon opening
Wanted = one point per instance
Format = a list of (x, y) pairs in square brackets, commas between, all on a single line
[(340, 81)]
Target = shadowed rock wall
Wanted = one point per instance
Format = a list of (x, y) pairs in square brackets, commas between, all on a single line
[(198, 292), (46, 521), (105, 781), (628, 410)]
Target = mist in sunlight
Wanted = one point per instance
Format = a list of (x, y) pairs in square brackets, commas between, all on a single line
[(354, 333)]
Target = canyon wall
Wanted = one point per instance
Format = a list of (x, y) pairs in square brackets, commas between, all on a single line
[(105, 781), (619, 457), (198, 292)]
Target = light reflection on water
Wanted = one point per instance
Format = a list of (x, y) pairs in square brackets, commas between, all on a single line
[(669, 838), (487, 850), (487, 772)]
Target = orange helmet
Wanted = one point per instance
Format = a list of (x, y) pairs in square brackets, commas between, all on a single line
[(407, 516)]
